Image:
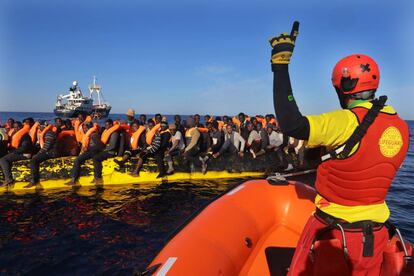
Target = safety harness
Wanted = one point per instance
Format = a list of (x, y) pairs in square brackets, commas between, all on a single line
[(356, 137), (367, 227)]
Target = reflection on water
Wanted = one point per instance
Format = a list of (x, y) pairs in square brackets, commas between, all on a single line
[(94, 231), (118, 230)]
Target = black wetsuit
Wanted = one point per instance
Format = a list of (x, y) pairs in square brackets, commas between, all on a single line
[(291, 121)]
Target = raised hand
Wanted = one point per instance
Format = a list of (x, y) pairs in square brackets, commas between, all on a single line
[(283, 45)]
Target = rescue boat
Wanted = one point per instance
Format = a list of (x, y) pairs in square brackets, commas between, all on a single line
[(54, 173), (252, 229)]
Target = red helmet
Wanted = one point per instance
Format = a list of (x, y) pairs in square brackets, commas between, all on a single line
[(354, 74)]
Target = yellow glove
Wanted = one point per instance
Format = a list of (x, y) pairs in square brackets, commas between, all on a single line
[(283, 45)]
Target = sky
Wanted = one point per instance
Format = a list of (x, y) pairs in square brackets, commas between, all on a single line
[(206, 57)]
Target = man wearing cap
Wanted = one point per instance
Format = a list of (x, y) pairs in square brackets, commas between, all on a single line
[(48, 150), (130, 116)]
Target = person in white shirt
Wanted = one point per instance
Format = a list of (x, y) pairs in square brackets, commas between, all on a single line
[(177, 146), (254, 141), (276, 143), (233, 143), (275, 138)]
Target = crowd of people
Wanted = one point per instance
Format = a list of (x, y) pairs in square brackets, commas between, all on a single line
[(140, 137)]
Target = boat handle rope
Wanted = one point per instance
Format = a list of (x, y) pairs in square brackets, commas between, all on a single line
[(281, 177)]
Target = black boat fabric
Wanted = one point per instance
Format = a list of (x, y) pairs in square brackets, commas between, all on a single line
[(278, 259)]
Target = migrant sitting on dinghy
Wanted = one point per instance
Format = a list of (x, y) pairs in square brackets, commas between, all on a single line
[(81, 135)]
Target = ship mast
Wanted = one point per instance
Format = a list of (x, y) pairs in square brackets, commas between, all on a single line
[(96, 88)]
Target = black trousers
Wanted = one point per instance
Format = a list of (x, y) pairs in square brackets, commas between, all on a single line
[(174, 152), (79, 161), (159, 159), (6, 163), (193, 155), (228, 146), (36, 161), (97, 162)]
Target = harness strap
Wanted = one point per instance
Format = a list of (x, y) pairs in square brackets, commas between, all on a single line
[(331, 220), (368, 241), (359, 132), (367, 228)]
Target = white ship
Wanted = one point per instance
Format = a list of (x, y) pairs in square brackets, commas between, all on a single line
[(74, 103)]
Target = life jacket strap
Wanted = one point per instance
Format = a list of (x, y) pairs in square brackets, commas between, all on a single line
[(359, 132)]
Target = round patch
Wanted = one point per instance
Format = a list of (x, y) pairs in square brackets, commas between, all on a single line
[(390, 142)]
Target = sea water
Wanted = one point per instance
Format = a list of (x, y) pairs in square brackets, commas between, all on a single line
[(118, 230)]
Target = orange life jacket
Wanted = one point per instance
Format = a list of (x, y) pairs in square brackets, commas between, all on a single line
[(54, 129), (10, 133), (364, 177), (78, 130), (236, 121), (42, 134), (151, 134), (202, 129), (106, 134), (67, 145), (15, 141), (66, 133), (7, 126), (33, 132), (126, 127), (135, 137), (86, 138), (262, 121), (220, 124)]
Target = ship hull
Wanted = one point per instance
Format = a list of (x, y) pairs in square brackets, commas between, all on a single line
[(103, 112), (65, 113)]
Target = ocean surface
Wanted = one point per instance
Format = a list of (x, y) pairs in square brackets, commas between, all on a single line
[(118, 230)]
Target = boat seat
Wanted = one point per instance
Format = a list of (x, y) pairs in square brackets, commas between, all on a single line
[(273, 252)]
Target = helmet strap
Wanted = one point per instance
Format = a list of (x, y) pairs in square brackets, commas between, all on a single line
[(341, 97)]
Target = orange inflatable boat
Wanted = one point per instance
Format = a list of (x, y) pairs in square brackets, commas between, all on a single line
[(250, 230)]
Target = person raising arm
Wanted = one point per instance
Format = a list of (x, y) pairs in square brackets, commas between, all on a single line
[(367, 142)]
